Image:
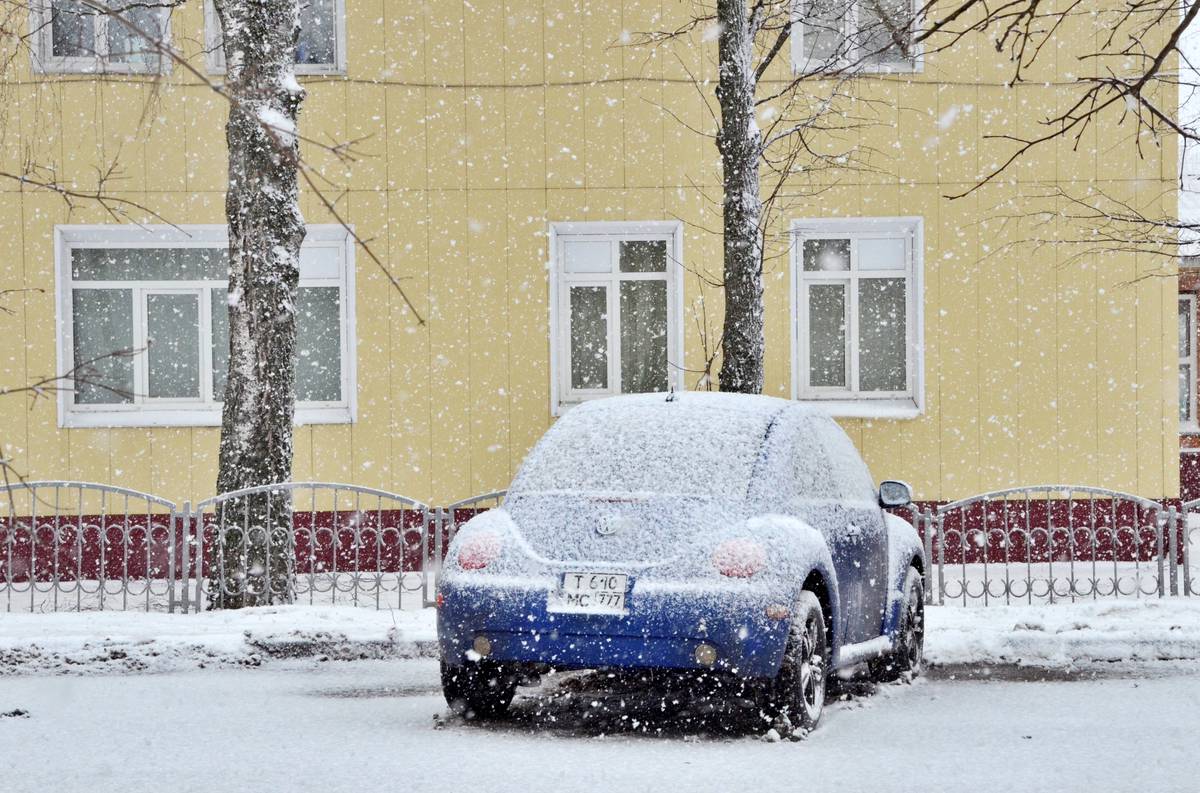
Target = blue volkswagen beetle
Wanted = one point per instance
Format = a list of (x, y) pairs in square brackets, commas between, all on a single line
[(721, 533)]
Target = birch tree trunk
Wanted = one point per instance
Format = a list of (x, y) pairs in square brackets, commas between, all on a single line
[(254, 559), (740, 144)]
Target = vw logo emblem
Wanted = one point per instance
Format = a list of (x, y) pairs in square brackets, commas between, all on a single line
[(610, 525)]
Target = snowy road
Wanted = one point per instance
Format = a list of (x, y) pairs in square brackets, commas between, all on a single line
[(371, 725)]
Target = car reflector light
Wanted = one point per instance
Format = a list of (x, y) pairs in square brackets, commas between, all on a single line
[(739, 558), (478, 551), (777, 611), (706, 654)]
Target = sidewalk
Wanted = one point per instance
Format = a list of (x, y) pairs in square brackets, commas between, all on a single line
[(121, 642), (115, 642)]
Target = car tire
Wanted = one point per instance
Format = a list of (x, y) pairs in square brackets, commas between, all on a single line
[(478, 689), (798, 691), (908, 658)]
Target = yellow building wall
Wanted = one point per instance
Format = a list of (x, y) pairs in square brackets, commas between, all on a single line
[(480, 123)]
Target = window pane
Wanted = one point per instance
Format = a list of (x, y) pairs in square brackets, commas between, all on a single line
[(152, 264), (1185, 392), (827, 335), (884, 34), (173, 352), (220, 342), (128, 46), (102, 323), (882, 335), (644, 256), (1185, 328), (318, 32), (72, 29), (320, 261), (588, 257), (823, 36), (881, 254), (318, 345), (826, 255), (589, 337), (643, 336)]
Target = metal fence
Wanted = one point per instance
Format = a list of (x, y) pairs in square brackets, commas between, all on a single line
[(84, 546), (1054, 543), (350, 544)]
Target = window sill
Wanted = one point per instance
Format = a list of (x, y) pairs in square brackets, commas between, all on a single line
[(187, 417), (867, 408), (52, 68), (866, 69), (302, 73)]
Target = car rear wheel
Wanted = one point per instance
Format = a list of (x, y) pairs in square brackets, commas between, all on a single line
[(478, 689), (798, 692), (909, 656)]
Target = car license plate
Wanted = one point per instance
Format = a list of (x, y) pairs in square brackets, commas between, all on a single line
[(590, 593)]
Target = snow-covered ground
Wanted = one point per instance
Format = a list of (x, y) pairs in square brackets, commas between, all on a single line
[(108, 642), (114, 642), (305, 726)]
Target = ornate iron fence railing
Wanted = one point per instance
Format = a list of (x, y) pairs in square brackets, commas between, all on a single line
[(349, 544), (1050, 543), (81, 546)]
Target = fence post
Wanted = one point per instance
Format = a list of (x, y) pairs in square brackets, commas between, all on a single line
[(941, 558), (925, 521), (191, 558), (1173, 548), (429, 522), (172, 552), (1186, 562), (1159, 551)]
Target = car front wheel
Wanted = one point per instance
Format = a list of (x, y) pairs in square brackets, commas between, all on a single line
[(909, 655), (798, 692), (478, 689)]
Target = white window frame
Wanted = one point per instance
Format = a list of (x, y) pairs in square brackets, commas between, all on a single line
[(562, 396), (214, 56), (46, 62), (205, 412), (913, 65), (847, 402), (1190, 424)]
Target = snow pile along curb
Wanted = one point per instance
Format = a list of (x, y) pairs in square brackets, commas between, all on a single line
[(1065, 633), (115, 642)]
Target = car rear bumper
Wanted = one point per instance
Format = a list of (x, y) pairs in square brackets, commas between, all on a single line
[(661, 630)]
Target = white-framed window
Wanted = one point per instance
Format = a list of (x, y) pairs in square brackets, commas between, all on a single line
[(863, 35), (1187, 363), (162, 293), (321, 48), (616, 309), (857, 315), (68, 36)]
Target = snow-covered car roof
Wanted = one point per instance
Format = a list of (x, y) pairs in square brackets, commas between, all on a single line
[(696, 444)]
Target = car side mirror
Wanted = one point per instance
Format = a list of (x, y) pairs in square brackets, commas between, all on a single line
[(894, 494)]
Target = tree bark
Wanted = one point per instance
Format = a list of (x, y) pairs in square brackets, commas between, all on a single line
[(740, 144), (253, 560)]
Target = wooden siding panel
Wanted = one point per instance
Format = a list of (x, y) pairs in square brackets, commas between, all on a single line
[(529, 323), (410, 396), (487, 285)]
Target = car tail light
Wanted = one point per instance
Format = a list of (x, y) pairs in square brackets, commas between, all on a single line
[(479, 551), (739, 558)]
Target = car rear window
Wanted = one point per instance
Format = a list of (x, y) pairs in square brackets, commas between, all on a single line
[(668, 448)]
